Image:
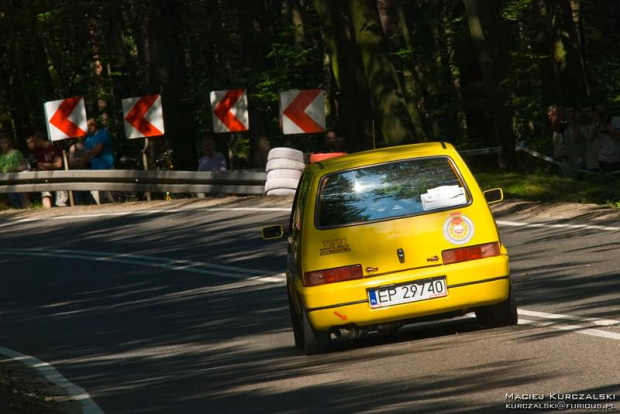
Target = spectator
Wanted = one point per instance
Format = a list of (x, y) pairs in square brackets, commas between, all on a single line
[(32, 158), (574, 140), (555, 116), (99, 153), (589, 130), (341, 144), (49, 157), (77, 153), (211, 160), (12, 160), (608, 141), (331, 141), (98, 147)]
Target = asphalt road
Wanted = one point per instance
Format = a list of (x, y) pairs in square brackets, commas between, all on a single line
[(180, 308)]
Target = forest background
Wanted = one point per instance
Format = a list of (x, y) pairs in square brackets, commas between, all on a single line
[(471, 72)]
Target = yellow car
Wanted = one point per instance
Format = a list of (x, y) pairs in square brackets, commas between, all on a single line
[(386, 237)]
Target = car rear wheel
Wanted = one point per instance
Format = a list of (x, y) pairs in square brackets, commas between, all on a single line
[(501, 314), (315, 342), (298, 332)]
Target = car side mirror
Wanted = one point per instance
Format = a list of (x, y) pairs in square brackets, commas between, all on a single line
[(274, 231), (494, 195)]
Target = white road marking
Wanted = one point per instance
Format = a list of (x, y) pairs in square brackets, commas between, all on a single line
[(552, 225), (594, 321), (13, 222), (230, 272), (580, 329), (576, 324), (52, 375)]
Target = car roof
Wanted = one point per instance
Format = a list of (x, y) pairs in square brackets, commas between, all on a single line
[(376, 156)]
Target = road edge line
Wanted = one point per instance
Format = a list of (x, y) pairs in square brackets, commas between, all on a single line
[(51, 374)]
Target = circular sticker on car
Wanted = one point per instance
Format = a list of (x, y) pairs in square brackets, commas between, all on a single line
[(458, 229)]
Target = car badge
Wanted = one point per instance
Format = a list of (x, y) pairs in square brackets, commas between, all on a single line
[(458, 228)]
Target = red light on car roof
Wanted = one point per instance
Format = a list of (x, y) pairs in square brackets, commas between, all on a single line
[(470, 253), (338, 274)]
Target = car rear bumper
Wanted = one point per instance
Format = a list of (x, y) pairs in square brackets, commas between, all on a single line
[(459, 298), (338, 308)]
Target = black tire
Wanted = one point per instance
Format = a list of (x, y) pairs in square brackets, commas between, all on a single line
[(501, 314), (315, 342), (298, 330)]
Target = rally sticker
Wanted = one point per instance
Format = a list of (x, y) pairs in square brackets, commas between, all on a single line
[(335, 246), (458, 229)]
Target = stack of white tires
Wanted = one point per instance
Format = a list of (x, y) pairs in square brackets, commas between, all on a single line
[(284, 168)]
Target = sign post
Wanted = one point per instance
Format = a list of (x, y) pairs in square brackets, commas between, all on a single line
[(66, 118), (144, 118)]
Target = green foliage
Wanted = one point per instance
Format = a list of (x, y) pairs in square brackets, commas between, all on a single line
[(50, 49)]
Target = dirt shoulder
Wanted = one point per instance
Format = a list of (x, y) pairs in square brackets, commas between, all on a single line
[(23, 390)]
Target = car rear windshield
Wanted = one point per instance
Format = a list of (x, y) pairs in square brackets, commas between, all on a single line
[(386, 191)]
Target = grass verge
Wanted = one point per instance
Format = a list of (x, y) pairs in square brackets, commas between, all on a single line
[(598, 189)]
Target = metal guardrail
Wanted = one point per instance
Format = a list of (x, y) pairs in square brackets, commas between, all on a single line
[(223, 182), (220, 182), (481, 151)]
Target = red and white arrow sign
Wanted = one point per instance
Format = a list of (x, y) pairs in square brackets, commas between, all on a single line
[(144, 116), (302, 112), (230, 111), (66, 118)]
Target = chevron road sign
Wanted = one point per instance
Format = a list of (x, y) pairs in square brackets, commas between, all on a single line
[(302, 112), (143, 116), (66, 118), (230, 111)]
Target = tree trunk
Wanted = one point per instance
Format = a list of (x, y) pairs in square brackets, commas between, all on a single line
[(566, 53), (395, 28), (165, 51), (386, 93), (341, 55), (542, 44), (23, 66), (501, 117), (256, 38), (295, 13)]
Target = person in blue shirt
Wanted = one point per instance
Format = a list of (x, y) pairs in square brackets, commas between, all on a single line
[(99, 155), (99, 147)]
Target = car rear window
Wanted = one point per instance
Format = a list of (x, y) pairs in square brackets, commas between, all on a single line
[(391, 190)]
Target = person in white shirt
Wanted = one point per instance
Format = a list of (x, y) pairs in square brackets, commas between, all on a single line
[(608, 140), (589, 130), (574, 140)]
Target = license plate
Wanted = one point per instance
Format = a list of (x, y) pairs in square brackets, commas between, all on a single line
[(408, 292)]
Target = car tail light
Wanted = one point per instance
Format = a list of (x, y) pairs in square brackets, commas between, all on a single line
[(338, 274), (470, 253)]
